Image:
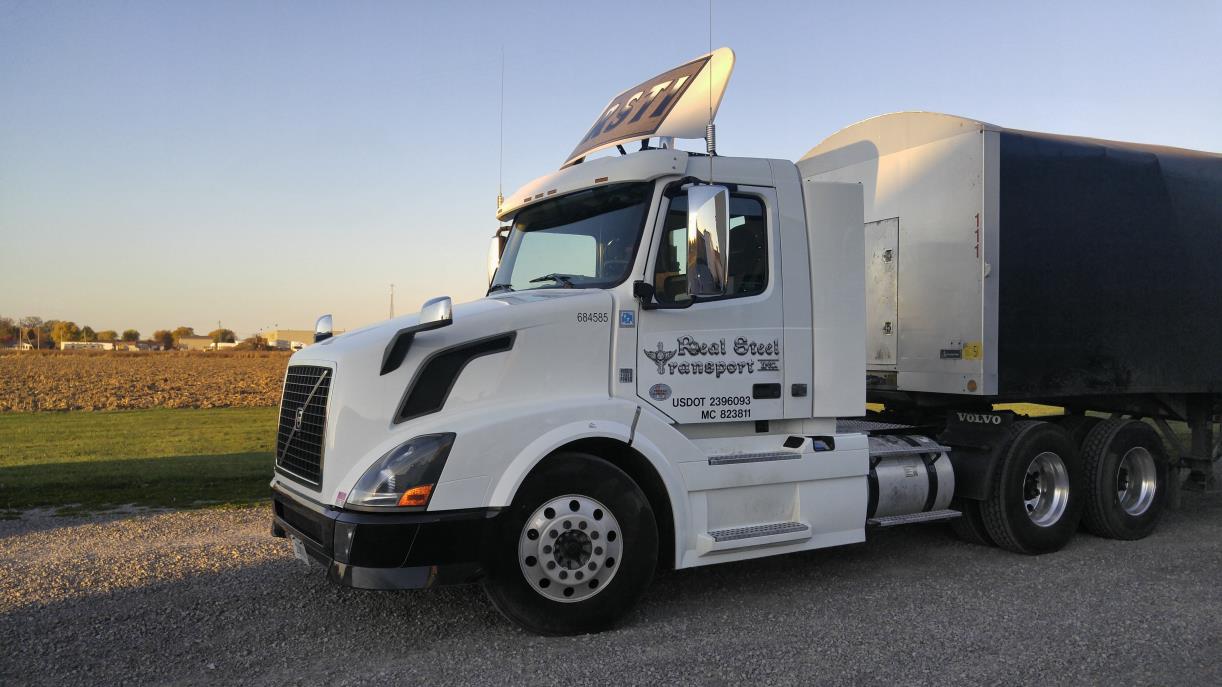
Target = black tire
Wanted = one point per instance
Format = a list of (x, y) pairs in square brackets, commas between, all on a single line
[(1103, 455), (970, 526), (1078, 427), (1052, 522), (586, 477)]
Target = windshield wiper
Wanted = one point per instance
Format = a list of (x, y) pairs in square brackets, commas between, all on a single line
[(565, 279), (499, 287)]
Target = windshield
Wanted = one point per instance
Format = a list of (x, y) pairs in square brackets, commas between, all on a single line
[(582, 240)]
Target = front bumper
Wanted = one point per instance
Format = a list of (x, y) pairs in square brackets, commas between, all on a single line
[(387, 550)]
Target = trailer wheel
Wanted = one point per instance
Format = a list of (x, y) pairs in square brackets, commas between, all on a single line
[(970, 526), (1126, 477), (1035, 501), (576, 549)]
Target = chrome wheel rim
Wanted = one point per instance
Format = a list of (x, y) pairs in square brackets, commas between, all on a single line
[(1046, 489), (1136, 481), (570, 548)]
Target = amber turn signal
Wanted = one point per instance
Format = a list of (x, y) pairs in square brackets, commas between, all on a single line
[(416, 496)]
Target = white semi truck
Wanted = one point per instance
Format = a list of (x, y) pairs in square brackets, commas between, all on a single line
[(672, 363)]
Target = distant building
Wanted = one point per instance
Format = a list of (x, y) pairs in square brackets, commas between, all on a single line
[(202, 343), (291, 339), (195, 343), (86, 346)]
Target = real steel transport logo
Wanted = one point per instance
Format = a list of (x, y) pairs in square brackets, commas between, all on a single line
[(762, 356)]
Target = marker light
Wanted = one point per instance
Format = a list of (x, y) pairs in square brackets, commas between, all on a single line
[(416, 496), (405, 476)]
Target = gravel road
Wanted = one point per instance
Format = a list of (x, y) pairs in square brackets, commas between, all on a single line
[(207, 597)]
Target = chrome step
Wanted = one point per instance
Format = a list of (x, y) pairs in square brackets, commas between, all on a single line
[(866, 426), (752, 535), (733, 533), (736, 458), (913, 518)]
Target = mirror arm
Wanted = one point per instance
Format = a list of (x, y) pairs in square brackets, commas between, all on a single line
[(644, 291), (401, 342)]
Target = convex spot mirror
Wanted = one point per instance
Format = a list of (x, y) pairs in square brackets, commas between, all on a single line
[(708, 240), (323, 329), (437, 311)]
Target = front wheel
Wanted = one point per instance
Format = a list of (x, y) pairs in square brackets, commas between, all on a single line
[(575, 550)]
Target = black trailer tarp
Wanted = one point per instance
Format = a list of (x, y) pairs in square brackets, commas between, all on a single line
[(1111, 268)]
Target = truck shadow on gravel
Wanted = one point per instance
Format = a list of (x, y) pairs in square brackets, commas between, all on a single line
[(966, 609)]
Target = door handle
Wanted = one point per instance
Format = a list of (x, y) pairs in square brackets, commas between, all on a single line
[(766, 391)]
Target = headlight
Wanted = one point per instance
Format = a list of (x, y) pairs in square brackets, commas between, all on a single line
[(405, 477)]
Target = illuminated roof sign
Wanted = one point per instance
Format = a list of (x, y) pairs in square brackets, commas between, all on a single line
[(674, 103)]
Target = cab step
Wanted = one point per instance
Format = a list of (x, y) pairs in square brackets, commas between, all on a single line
[(753, 535), (913, 518)]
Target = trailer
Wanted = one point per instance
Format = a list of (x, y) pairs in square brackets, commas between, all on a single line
[(1016, 266), (672, 363)]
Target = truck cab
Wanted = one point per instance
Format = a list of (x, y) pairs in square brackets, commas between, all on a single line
[(708, 383)]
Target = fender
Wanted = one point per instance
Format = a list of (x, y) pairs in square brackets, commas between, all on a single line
[(515, 473), (975, 438)]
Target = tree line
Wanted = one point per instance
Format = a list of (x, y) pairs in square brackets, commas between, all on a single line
[(50, 334)]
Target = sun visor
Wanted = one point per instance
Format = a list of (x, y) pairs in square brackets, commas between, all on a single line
[(674, 103)]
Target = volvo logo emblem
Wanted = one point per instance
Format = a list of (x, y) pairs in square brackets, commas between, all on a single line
[(297, 420)]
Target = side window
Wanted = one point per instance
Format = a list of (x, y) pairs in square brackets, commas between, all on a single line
[(748, 250)]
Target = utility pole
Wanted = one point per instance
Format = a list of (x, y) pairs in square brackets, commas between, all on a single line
[(392, 302)]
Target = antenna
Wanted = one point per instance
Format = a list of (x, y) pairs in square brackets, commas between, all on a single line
[(500, 162), (710, 132), (392, 302)]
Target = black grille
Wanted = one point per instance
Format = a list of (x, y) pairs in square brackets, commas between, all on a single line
[(303, 423)]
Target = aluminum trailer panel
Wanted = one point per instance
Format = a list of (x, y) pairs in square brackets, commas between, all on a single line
[(1031, 266)]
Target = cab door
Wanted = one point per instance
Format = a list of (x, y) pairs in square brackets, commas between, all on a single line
[(720, 359)]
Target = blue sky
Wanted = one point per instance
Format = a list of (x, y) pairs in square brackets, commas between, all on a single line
[(259, 163)]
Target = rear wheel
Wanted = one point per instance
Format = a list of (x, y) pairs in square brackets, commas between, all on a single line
[(1034, 503), (1126, 473), (576, 549)]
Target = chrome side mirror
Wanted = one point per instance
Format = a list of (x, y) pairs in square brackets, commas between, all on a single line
[(437, 312), (323, 329), (708, 240), (496, 248)]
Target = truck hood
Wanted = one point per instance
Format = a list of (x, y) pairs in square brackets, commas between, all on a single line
[(363, 403), (478, 316)]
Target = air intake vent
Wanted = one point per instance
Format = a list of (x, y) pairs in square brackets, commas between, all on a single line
[(303, 423)]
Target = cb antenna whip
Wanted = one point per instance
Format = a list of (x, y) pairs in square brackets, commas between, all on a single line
[(500, 162), (710, 132)]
